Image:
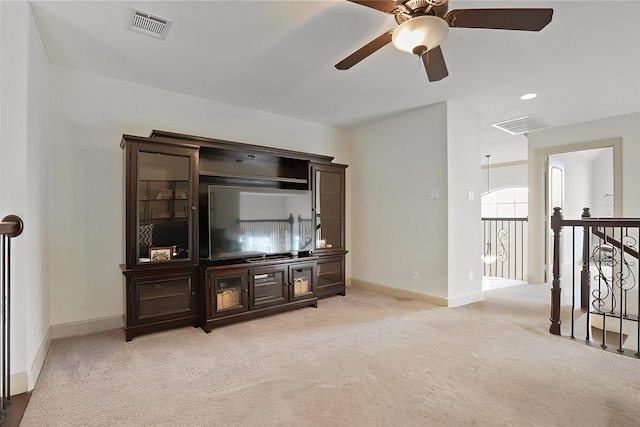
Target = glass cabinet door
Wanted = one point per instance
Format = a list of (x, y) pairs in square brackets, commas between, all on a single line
[(228, 292), (330, 273), (302, 283), (165, 206), (167, 296), (329, 207)]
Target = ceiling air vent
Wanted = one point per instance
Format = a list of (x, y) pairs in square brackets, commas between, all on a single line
[(521, 125), (146, 23)]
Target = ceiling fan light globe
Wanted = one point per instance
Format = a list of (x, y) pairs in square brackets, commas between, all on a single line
[(427, 31)]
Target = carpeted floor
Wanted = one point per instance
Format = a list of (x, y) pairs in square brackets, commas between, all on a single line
[(361, 360)]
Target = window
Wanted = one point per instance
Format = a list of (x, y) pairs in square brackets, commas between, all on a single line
[(506, 202)]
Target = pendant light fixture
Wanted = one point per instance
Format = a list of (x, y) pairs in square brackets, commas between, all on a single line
[(488, 257)]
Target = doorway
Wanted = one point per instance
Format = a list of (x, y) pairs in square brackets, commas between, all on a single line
[(577, 180), (574, 195)]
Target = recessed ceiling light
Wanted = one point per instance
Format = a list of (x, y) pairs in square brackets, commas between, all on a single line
[(527, 96)]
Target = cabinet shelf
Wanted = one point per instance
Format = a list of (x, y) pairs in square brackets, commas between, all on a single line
[(253, 177), (158, 297), (271, 283), (168, 199)]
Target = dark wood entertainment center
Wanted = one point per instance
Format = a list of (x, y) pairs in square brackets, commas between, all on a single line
[(175, 277)]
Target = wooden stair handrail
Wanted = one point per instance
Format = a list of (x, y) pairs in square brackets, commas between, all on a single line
[(598, 227), (615, 242), (595, 224), (11, 225)]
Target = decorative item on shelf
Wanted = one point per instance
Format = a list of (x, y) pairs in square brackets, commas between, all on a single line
[(300, 286), (228, 298), (164, 214), (146, 235), (165, 194), (181, 195), (160, 254), (321, 244)]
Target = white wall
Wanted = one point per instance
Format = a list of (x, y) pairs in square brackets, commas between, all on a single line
[(395, 227), (89, 115), (577, 195), (574, 137), (14, 171), (508, 148), (465, 227), (24, 174), (602, 185), (577, 183), (504, 175)]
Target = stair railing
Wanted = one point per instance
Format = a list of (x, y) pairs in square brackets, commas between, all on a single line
[(611, 262), (505, 251), (10, 227)]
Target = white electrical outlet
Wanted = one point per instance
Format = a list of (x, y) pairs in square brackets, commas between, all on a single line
[(470, 274), (414, 274), (470, 195), (33, 331), (432, 194)]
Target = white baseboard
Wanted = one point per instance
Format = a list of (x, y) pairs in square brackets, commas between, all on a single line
[(398, 293), (465, 299), (85, 327), (405, 294), (22, 382), (19, 383)]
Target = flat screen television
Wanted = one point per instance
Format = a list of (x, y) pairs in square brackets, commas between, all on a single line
[(247, 222)]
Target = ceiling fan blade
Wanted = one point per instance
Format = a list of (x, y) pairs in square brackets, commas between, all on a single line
[(500, 19), (435, 65), (386, 6), (365, 51)]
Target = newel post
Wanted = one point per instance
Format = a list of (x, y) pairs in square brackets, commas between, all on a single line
[(585, 277), (556, 226)]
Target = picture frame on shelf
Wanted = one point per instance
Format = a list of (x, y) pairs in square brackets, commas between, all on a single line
[(160, 253)]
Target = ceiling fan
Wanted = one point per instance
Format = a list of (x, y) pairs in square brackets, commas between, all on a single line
[(424, 24)]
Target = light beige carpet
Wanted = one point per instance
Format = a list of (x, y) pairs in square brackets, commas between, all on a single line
[(361, 360)]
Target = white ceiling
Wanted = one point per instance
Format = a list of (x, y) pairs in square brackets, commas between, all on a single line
[(279, 56)]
